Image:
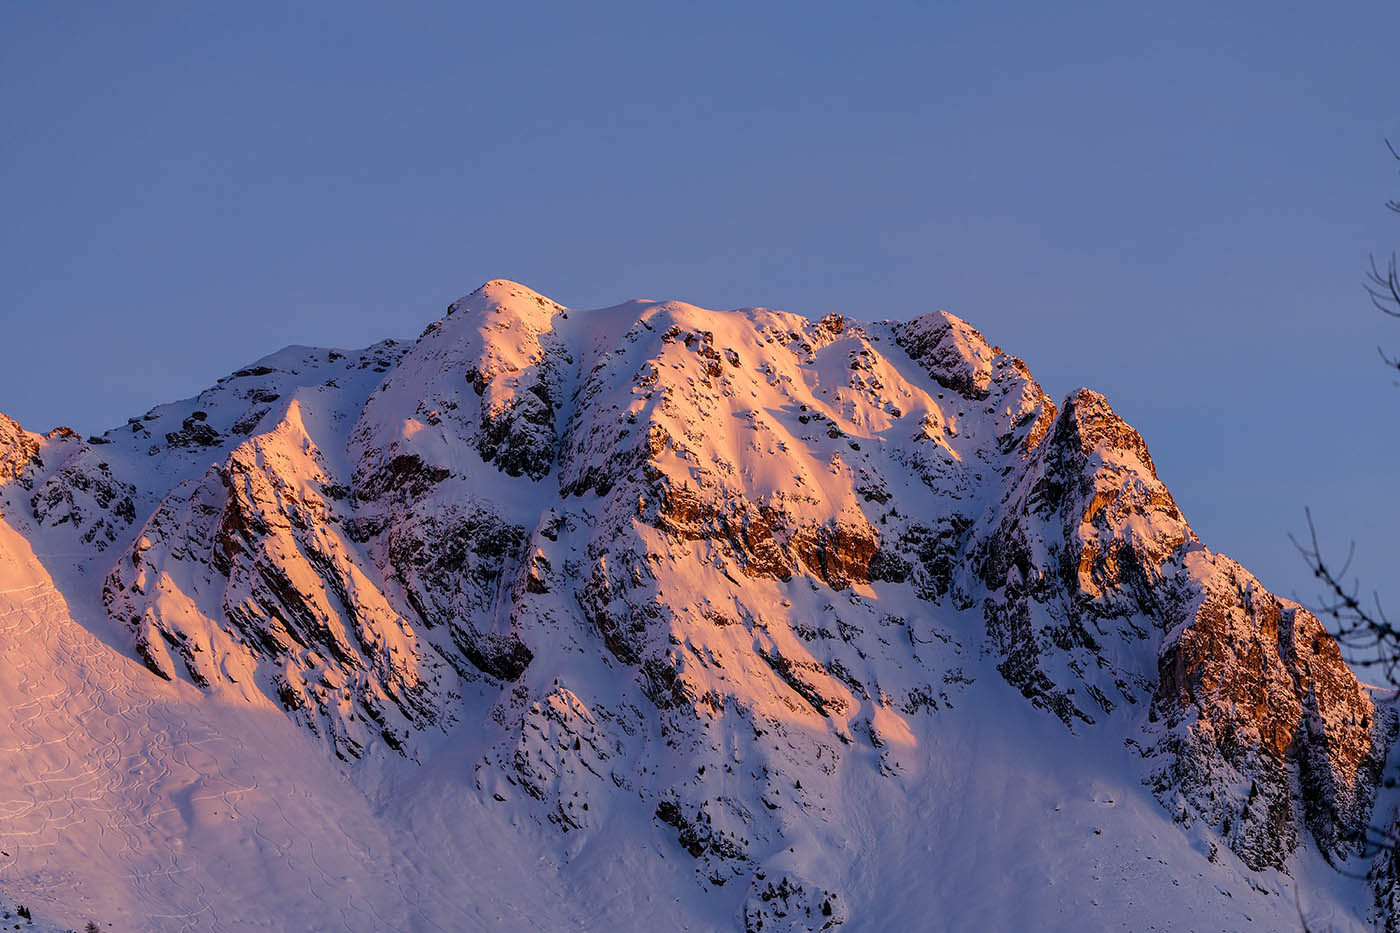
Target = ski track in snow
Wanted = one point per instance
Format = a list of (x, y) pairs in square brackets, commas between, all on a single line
[(87, 789), (119, 800), (107, 771)]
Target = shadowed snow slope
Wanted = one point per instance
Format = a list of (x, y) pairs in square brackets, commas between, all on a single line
[(656, 617)]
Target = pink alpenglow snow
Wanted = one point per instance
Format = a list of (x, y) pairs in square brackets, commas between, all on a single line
[(657, 617)]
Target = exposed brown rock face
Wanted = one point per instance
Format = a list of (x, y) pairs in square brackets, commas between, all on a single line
[(1266, 730), (1255, 688), (838, 553), (18, 451), (768, 542)]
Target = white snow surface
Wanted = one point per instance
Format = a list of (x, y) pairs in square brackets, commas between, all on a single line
[(852, 735)]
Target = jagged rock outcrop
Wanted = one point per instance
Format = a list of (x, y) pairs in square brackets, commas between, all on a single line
[(19, 451), (791, 905), (1268, 731), (1076, 565)]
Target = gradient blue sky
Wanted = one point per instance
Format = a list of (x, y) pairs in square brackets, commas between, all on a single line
[(1171, 203)]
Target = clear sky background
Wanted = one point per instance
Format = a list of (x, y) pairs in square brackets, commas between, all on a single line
[(1171, 203)]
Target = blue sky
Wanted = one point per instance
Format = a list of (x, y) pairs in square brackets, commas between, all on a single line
[(1173, 204)]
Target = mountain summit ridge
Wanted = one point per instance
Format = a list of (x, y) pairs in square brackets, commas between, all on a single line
[(718, 566)]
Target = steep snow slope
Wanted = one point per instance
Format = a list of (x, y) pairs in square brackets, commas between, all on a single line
[(657, 615)]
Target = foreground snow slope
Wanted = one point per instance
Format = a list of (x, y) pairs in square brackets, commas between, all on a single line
[(656, 616)]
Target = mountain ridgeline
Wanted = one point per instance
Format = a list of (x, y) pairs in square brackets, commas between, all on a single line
[(719, 565)]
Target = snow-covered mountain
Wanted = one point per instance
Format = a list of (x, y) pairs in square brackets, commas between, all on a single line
[(657, 617)]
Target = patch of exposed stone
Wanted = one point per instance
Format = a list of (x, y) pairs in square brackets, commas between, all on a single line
[(1267, 732)]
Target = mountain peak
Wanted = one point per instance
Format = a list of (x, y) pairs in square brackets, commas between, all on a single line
[(1096, 426), (953, 351), (499, 292)]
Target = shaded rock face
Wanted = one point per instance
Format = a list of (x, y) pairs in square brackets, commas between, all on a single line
[(1384, 877), (704, 560), (792, 905), (1079, 564), (84, 494), (951, 350), (68, 484)]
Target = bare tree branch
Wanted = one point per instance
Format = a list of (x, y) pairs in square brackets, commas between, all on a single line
[(1393, 205), (1383, 285), (1364, 632)]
